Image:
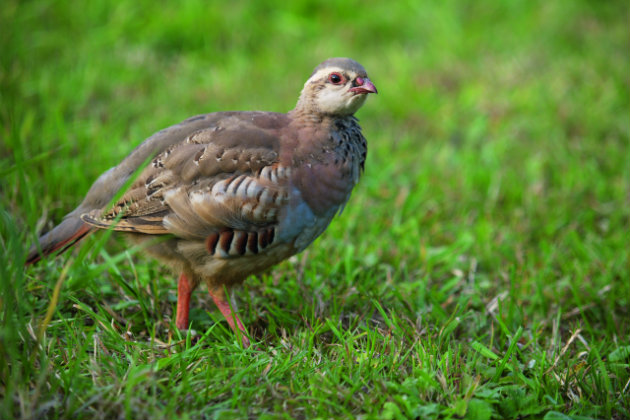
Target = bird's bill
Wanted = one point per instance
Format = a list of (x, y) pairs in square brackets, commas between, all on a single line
[(366, 87)]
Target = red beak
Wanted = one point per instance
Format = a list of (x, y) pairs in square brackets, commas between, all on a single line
[(364, 85)]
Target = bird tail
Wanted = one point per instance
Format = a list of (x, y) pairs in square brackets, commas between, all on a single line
[(62, 237)]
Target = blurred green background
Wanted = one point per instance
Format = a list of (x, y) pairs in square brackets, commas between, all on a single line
[(494, 209)]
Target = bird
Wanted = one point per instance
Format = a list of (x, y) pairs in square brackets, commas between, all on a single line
[(225, 195)]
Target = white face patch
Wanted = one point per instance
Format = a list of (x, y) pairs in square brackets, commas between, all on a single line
[(339, 101)]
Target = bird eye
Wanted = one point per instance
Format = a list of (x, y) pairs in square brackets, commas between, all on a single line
[(335, 78)]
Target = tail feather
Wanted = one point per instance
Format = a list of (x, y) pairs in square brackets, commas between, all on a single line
[(62, 237)]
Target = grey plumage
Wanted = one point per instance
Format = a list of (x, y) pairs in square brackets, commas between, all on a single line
[(343, 63)]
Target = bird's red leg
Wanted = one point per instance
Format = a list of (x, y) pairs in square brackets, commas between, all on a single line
[(184, 290), (219, 298)]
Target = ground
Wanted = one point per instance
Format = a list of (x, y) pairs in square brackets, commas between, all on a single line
[(480, 269)]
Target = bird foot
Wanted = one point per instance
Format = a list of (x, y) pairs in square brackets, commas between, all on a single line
[(219, 298), (184, 291)]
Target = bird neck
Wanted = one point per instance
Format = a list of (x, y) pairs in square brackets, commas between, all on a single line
[(309, 116)]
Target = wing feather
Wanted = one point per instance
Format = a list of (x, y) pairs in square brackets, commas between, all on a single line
[(203, 185)]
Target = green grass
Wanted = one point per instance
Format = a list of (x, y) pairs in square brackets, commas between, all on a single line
[(480, 269)]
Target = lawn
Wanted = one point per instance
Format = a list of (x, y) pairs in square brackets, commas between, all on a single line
[(480, 270)]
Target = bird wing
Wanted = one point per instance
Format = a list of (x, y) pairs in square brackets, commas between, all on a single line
[(224, 177)]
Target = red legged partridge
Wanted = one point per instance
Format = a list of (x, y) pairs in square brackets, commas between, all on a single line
[(230, 194)]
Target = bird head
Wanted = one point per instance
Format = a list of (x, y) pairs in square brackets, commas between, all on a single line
[(337, 87)]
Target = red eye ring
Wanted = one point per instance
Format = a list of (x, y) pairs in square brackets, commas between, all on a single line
[(335, 78)]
